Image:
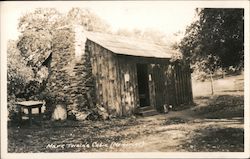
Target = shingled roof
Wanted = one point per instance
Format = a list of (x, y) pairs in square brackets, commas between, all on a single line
[(130, 46)]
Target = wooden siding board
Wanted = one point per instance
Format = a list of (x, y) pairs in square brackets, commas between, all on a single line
[(189, 81), (95, 70), (115, 85), (134, 87), (151, 87), (186, 86), (100, 76), (118, 83), (166, 84), (180, 84), (177, 87), (104, 79), (137, 101)]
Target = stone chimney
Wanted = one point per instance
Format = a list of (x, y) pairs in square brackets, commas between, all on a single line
[(71, 80), (81, 77), (80, 40)]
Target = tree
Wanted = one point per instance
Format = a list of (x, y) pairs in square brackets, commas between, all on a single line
[(151, 35), (216, 32), (40, 19), (19, 74), (215, 41), (35, 45), (39, 29), (28, 73), (21, 80), (24, 80), (89, 20)]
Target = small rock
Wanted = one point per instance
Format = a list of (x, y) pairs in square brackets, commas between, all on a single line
[(29, 136), (102, 112), (59, 113), (82, 115), (133, 117)]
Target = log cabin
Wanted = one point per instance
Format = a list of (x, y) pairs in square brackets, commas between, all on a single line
[(124, 75)]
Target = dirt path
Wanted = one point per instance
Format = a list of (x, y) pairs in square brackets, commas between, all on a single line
[(178, 132), (190, 130)]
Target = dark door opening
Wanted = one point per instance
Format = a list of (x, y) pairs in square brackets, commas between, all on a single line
[(143, 86)]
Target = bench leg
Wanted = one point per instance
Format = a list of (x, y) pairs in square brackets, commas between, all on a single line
[(30, 116), (19, 116), (41, 116)]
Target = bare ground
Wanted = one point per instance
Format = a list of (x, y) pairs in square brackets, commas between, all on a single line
[(214, 124)]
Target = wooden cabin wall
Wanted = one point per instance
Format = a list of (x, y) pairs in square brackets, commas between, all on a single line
[(157, 84), (117, 86), (127, 81), (171, 88), (160, 86), (117, 96), (182, 83), (172, 84), (152, 86), (105, 72)]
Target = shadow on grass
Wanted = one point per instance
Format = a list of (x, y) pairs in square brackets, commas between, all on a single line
[(217, 140), (89, 136), (219, 109), (222, 106)]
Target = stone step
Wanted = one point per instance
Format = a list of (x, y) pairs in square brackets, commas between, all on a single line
[(145, 108), (146, 111)]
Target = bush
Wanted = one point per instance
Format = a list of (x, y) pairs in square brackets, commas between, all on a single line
[(22, 81)]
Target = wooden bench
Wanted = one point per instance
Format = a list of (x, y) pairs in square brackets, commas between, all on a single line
[(29, 105)]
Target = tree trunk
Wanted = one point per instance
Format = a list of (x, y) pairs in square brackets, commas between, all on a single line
[(223, 73), (212, 83)]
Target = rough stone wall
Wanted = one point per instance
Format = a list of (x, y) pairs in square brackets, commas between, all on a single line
[(70, 76)]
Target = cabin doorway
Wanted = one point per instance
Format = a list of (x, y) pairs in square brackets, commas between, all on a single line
[(143, 85)]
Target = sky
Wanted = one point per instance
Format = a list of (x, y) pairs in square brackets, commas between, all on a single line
[(167, 17)]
